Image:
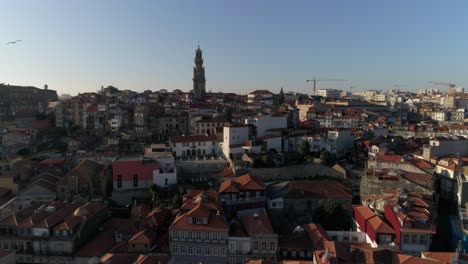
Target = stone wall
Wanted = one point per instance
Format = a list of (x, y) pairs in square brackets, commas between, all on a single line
[(301, 171)]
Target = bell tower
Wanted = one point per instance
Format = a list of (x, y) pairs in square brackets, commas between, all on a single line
[(198, 76)]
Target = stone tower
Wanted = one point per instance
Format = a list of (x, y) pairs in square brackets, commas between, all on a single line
[(198, 76)]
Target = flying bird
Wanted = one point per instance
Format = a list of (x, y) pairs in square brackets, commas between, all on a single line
[(14, 42)]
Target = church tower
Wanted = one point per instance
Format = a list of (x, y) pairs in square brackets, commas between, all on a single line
[(198, 76)]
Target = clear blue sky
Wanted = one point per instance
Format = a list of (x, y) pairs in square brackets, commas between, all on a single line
[(77, 46)]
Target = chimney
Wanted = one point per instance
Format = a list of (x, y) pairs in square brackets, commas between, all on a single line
[(46, 86)]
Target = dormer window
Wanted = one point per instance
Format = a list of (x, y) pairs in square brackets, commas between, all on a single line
[(205, 221), (190, 220), (198, 220)]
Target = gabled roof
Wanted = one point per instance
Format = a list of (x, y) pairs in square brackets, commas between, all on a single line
[(256, 224), (380, 226), (145, 236), (317, 234), (245, 182), (204, 209)]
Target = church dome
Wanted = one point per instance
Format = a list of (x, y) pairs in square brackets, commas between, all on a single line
[(80, 211)]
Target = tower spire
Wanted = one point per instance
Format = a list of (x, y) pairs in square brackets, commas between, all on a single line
[(198, 76)]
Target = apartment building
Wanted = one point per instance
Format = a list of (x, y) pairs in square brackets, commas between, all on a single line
[(243, 192), (195, 146), (208, 126), (200, 232), (51, 232)]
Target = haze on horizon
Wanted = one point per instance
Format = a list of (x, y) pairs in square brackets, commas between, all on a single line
[(77, 46)]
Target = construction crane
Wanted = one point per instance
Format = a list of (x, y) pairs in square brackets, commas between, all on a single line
[(314, 81), (450, 85)]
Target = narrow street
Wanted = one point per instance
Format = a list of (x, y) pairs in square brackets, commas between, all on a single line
[(442, 240)]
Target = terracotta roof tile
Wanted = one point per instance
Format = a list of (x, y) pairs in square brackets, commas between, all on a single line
[(245, 182)]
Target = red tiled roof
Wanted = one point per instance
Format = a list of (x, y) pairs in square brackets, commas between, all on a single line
[(216, 221), (245, 182), (317, 189), (52, 161), (128, 168), (317, 234), (256, 224), (407, 259), (379, 226), (104, 240), (143, 237), (445, 257)]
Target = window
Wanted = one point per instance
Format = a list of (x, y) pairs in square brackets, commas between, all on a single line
[(264, 246), (405, 238), (414, 239), (245, 247), (175, 250), (232, 260), (119, 181), (207, 251), (214, 251), (198, 251), (198, 221), (135, 180), (422, 239), (222, 251), (190, 250), (198, 233), (182, 250), (272, 246), (255, 246), (165, 181), (232, 246)]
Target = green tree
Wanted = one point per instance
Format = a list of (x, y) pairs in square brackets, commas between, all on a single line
[(177, 201), (267, 161), (304, 148), (155, 194), (332, 216)]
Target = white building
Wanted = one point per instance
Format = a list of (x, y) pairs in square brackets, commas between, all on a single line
[(260, 96), (194, 145), (330, 93), (235, 136), (339, 140), (440, 116), (266, 122)]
